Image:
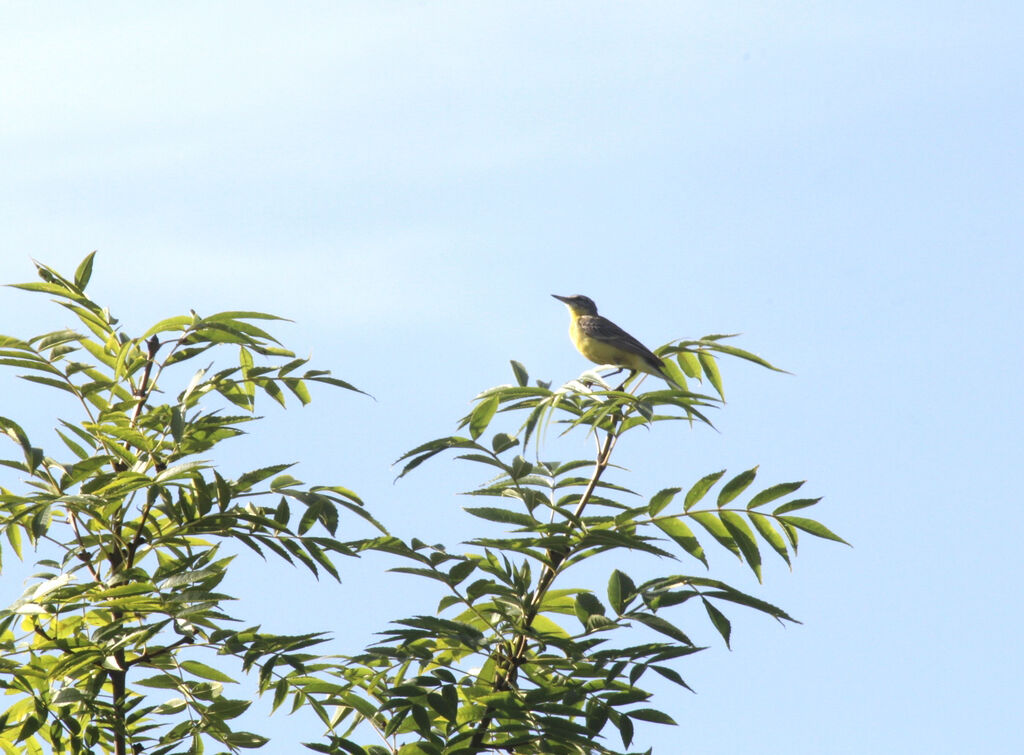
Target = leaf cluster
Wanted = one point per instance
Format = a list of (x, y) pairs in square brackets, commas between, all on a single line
[(106, 649), (522, 657)]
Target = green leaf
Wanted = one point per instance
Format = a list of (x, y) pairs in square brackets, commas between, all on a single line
[(84, 272), (181, 322), (522, 376), (244, 739), (620, 591), (678, 530), (735, 486), (733, 351), (504, 516), (714, 526), (659, 624), (625, 727), (672, 675), (652, 715), (743, 538), (763, 525), (587, 605), (719, 620), (689, 364), (801, 503), (710, 365), (205, 672), (702, 486), (482, 415), (815, 528), (661, 499), (775, 491)]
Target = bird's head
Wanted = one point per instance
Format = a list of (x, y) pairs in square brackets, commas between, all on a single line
[(578, 305)]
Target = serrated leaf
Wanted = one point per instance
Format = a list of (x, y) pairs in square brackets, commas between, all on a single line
[(744, 539), (672, 675), (815, 528), (763, 525), (652, 715), (800, 503), (504, 516), (735, 486), (702, 486), (716, 529), (661, 499), (775, 491), (719, 620), (587, 605), (659, 624), (678, 530)]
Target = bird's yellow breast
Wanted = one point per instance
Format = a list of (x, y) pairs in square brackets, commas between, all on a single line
[(603, 352)]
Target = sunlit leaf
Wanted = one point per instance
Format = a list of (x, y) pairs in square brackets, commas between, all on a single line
[(683, 536), (744, 539), (714, 526), (482, 415), (815, 528), (775, 491), (735, 486), (661, 499), (763, 525), (700, 488), (710, 366), (84, 271)]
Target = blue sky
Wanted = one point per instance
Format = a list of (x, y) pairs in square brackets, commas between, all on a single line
[(409, 182)]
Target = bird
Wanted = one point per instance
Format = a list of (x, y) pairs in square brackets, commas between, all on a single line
[(602, 341)]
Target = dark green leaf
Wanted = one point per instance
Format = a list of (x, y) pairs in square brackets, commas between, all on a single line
[(718, 619), (744, 539), (620, 591), (775, 491), (763, 525), (652, 715), (800, 503), (660, 625), (587, 605), (714, 526), (815, 528), (522, 377), (503, 515)]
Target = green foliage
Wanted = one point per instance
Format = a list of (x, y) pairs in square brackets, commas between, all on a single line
[(103, 652), (122, 643), (518, 661)]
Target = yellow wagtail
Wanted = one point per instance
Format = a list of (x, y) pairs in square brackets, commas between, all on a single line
[(602, 341)]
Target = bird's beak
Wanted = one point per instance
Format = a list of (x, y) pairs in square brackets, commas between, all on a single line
[(563, 299)]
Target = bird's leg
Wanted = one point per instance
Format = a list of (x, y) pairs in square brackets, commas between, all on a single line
[(628, 377)]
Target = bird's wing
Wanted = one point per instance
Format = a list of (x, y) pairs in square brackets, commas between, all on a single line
[(605, 330)]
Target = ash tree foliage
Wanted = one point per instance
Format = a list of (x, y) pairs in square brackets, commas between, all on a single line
[(122, 642)]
